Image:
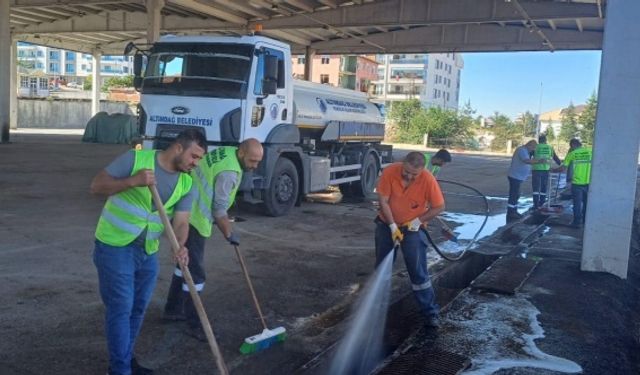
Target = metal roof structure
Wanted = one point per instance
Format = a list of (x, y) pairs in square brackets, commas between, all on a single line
[(324, 26)]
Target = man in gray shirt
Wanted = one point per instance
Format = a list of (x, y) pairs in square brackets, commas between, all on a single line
[(519, 170), (217, 177)]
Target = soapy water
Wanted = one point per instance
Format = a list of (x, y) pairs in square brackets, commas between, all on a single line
[(360, 351)]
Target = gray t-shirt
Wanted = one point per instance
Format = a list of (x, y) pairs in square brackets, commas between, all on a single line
[(225, 182), (519, 169), (166, 182)]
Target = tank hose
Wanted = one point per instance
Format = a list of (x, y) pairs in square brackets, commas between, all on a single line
[(475, 237)]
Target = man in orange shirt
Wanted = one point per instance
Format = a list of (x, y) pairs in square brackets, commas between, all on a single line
[(409, 198)]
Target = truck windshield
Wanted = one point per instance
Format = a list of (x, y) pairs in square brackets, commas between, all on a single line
[(198, 69)]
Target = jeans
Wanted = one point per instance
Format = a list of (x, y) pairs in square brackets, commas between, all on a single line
[(579, 193), (514, 192), (539, 183), (127, 277), (414, 251)]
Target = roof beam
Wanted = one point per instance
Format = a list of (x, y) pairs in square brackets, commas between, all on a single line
[(210, 10), (396, 13), (283, 35), (330, 3), (13, 4), (300, 4), (462, 38)]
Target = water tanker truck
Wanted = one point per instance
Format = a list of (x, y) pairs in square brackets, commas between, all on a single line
[(234, 88)]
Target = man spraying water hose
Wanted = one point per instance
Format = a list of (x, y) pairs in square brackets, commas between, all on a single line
[(409, 198)]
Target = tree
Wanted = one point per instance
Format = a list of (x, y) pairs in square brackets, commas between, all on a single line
[(124, 81), (528, 123), (569, 121), (87, 83), (504, 130), (588, 119)]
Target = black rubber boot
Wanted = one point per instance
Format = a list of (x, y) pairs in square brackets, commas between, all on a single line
[(136, 369), (174, 308), (512, 214)]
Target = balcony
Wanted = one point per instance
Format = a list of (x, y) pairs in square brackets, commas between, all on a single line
[(348, 64)]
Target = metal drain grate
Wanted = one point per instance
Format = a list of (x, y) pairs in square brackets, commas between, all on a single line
[(426, 361), (506, 275)]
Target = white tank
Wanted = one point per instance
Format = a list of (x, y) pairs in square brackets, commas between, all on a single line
[(315, 105)]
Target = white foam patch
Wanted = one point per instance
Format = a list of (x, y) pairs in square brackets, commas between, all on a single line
[(500, 333)]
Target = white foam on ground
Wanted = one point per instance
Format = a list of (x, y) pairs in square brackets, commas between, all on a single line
[(500, 333), (469, 225)]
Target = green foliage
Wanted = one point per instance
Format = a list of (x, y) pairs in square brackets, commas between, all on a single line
[(124, 81), (528, 123), (551, 135), (504, 130), (588, 120), (88, 82), (444, 126), (569, 122)]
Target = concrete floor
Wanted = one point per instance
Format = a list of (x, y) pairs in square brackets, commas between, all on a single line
[(303, 266)]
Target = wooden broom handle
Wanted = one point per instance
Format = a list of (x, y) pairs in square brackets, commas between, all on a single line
[(253, 293), (206, 326)]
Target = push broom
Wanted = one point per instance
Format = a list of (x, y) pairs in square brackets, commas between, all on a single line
[(206, 326), (268, 336)]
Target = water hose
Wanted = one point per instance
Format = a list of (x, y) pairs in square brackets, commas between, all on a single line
[(475, 237)]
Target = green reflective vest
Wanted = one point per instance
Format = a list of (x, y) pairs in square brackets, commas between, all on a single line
[(543, 151), (434, 169), (204, 177), (128, 213), (581, 158)]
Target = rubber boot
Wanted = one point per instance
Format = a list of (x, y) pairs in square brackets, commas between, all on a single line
[(512, 214), (174, 308), (536, 201)]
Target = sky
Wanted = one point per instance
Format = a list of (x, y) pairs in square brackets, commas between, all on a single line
[(510, 82)]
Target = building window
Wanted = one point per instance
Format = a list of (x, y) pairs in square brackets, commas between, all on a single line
[(70, 68), (83, 67), (125, 69), (54, 55), (40, 53), (24, 81), (301, 60), (54, 68), (70, 55), (324, 78), (44, 84), (324, 60), (39, 65)]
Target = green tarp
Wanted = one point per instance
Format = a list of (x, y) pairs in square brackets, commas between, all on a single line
[(115, 128)]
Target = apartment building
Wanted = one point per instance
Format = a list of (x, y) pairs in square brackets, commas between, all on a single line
[(434, 79), (354, 72)]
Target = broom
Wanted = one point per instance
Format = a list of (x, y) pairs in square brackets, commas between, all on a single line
[(206, 326), (268, 337)]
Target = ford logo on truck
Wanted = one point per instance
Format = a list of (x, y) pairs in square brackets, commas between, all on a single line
[(179, 110)]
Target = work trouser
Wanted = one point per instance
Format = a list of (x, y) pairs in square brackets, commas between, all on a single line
[(579, 193), (514, 194), (195, 245), (414, 252), (539, 183), (127, 276)]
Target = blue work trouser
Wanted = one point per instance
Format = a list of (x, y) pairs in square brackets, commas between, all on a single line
[(579, 193), (539, 183), (514, 193), (414, 251), (127, 277)]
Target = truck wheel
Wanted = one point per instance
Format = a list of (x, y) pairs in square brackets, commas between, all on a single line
[(283, 190), (368, 178)]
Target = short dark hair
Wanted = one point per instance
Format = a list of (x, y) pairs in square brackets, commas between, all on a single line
[(542, 138), (415, 159), (575, 142), (189, 136), (443, 155)]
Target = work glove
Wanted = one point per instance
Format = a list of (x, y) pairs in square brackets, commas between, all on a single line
[(413, 225), (396, 233), (233, 239)]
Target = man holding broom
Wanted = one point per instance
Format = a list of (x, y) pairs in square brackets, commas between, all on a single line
[(128, 233), (217, 178)]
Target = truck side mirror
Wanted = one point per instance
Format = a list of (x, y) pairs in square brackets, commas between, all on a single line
[(137, 71), (270, 80)]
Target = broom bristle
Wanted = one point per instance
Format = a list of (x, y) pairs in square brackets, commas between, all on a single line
[(264, 340)]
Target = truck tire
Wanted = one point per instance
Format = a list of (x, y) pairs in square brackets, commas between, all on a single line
[(282, 192), (365, 188)]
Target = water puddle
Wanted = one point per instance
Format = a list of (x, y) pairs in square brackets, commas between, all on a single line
[(469, 224), (362, 347)]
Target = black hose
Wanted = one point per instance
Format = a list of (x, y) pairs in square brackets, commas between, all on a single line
[(475, 237)]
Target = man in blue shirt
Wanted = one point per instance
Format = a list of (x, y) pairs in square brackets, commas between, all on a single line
[(519, 171)]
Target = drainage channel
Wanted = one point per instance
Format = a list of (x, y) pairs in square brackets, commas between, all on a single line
[(404, 321)]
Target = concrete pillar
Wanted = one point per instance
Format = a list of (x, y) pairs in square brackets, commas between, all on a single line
[(612, 190), (154, 19), (97, 84), (5, 72), (308, 63), (13, 87)]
